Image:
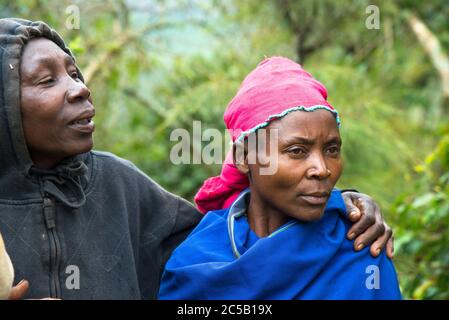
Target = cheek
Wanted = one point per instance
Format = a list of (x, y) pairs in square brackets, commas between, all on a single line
[(287, 176), (290, 173), (336, 167), (41, 107), (40, 117)]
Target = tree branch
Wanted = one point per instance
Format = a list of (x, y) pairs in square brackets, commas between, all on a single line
[(125, 38), (144, 102), (433, 47)]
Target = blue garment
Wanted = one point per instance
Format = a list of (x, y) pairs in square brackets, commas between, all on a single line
[(224, 259)]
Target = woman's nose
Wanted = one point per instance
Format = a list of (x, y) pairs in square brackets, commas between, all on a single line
[(318, 168), (78, 91)]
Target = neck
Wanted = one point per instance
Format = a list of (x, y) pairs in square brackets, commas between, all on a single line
[(45, 162), (262, 218)]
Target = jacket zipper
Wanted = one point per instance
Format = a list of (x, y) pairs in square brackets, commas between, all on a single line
[(55, 247)]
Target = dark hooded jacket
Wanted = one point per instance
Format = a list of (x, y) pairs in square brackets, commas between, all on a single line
[(94, 227)]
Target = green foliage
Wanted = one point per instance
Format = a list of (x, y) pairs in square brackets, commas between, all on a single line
[(155, 66), (422, 229)]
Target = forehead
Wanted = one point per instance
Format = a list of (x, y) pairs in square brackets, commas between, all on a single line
[(310, 124), (40, 50)]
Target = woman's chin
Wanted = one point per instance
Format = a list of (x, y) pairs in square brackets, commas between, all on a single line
[(82, 147), (309, 214)]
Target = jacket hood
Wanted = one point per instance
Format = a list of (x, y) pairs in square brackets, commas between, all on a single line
[(15, 160)]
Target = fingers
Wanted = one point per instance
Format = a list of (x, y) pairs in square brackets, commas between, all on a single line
[(381, 242), (369, 227), (368, 236), (350, 200), (366, 221), (369, 233), (390, 247), (355, 214), (19, 291)]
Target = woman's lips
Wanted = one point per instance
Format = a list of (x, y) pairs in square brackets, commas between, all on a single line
[(82, 122), (315, 199), (83, 125)]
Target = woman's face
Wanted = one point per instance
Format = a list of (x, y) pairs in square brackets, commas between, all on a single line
[(56, 106), (309, 165)]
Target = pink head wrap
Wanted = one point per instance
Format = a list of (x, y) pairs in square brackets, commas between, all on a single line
[(276, 87)]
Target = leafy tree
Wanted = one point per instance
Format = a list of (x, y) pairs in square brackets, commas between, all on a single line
[(156, 66), (422, 228)]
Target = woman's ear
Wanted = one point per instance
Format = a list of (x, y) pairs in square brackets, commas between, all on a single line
[(240, 156)]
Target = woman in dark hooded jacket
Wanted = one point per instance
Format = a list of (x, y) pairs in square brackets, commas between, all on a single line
[(77, 223)]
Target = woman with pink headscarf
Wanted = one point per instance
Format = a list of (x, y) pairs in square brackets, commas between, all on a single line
[(276, 227)]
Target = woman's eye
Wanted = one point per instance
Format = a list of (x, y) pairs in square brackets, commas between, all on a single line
[(47, 81), (296, 151), (333, 150), (74, 75)]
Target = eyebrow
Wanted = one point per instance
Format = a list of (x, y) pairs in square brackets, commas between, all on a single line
[(310, 142), (46, 60)]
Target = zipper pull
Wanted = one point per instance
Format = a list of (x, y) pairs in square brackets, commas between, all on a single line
[(49, 213)]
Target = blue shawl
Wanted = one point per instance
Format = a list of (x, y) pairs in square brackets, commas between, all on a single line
[(224, 259)]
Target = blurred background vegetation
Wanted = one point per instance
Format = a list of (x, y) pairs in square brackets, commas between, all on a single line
[(154, 66)]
